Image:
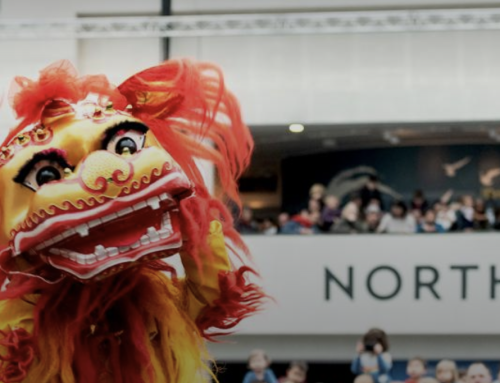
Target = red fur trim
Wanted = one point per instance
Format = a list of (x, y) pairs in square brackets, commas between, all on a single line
[(238, 300), (196, 214), (15, 363), (192, 114)]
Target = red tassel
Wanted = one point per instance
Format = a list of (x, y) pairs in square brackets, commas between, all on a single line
[(15, 363), (238, 300), (58, 81)]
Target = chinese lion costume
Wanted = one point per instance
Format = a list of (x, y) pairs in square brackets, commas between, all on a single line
[(97, 185)]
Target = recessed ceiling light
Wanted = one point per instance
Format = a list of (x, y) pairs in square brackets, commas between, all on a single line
[(296, 128)]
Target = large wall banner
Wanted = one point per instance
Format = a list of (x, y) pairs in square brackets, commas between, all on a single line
[(464, 169), (416, 284)]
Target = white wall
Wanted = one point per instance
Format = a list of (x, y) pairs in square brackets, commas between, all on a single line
[(27, 57), (69, 8), (27, 9), (118, 59), (357, 78), (327, 348), (117, 7)]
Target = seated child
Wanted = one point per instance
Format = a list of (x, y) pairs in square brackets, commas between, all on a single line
[(364, 378), (447, 372), (416, 369), (296, 373), (258, 363), (373, 356)]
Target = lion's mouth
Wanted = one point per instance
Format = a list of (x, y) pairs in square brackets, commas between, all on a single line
[(84, 251), (144, 231), (97, 239)]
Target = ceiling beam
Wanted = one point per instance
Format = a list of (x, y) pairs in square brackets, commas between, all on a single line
[(253, 24)]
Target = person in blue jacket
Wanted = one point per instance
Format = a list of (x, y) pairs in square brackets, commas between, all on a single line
[(373, 357), (258, 363)]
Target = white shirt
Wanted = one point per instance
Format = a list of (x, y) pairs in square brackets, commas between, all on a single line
[(390, 224)]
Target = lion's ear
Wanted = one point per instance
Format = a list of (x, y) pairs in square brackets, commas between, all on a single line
[(157, 92), (193, 115), (55, 109), (57, 81)]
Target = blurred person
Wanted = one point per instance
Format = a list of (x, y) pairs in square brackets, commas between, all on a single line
[(296, 373), (373, 214), (373, 356), (258, 364), (496, 225), (374, 202), (417, 215), (371, 192), (428, 379), (478, 373), (446, 197), (416, 368), (419, 202), (350, 222), (445, 216), (446, 371), (317, 192), (302, 223), (364, 378), (428, 223), (462, 375), (397, 221), (283, 218), (331, 212), (314, 206), (268, 227), (246, 223), (455, 208), (373, 205), (490, 212), (356, 198), (314, 218), (480, 220), (465, 214)]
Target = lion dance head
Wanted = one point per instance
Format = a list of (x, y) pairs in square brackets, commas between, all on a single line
[(98, 184)]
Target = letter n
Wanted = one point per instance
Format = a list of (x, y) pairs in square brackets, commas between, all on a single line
[(347, 288)]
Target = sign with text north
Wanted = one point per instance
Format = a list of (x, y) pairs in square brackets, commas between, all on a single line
[(415, 284)]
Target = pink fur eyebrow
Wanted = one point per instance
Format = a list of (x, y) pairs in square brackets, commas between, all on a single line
[(59, 152)]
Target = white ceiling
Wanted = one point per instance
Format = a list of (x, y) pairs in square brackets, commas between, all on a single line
[(275, 143)]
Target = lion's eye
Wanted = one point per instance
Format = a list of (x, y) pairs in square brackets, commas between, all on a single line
[(48, 174), (125, 138), (131, 142), (43, 168)]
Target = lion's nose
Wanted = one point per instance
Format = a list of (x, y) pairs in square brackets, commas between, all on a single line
[(104, 173)]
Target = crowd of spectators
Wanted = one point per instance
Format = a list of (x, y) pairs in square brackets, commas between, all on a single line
[(260, 371), (373, 363), (366, 212)]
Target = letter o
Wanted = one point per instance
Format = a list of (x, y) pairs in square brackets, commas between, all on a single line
[(369, 283)]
